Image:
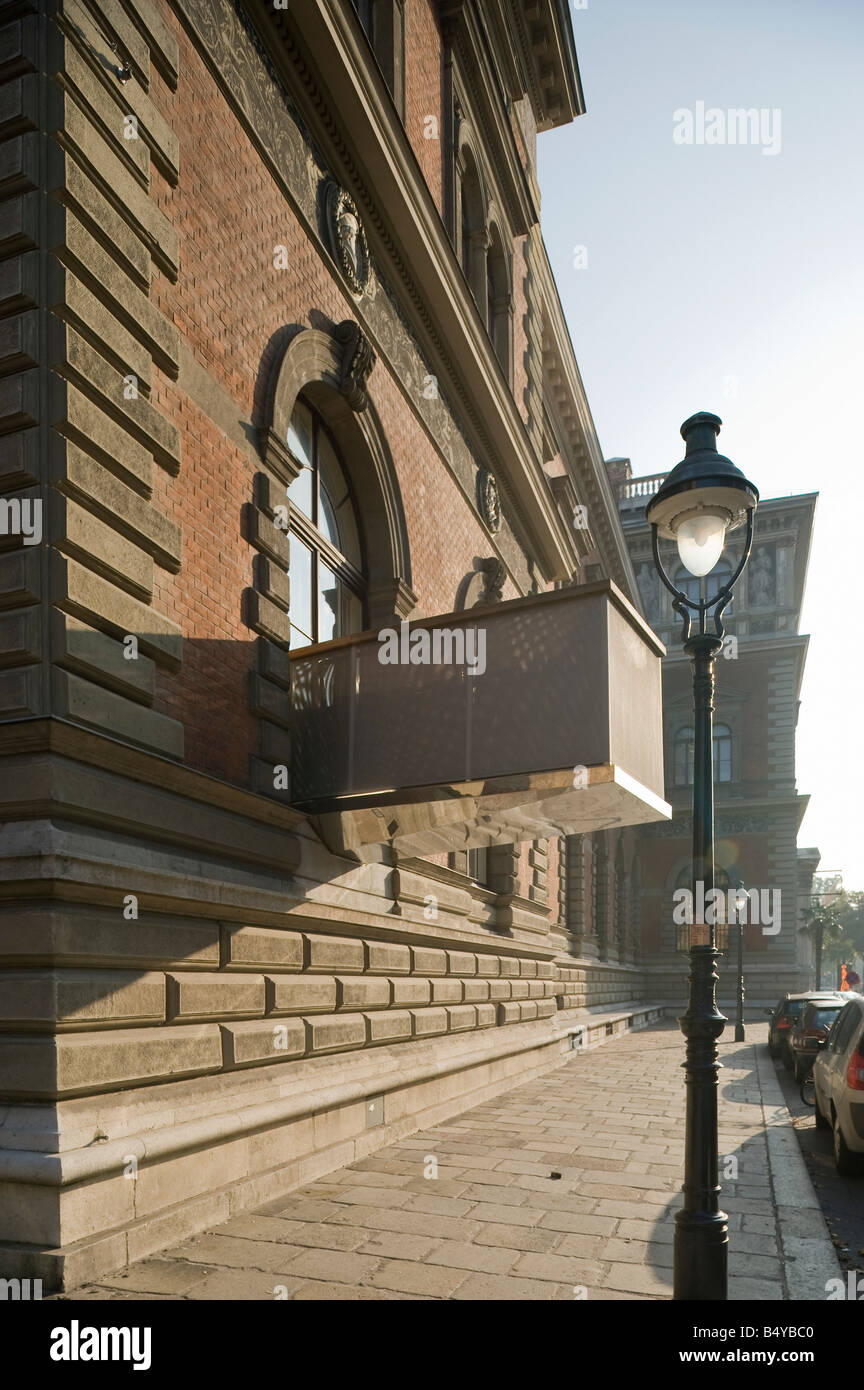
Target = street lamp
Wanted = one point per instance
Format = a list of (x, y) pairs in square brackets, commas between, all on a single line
[(741, 901), (702, 498)]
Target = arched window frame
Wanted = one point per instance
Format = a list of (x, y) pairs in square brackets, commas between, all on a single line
[(323, 366), (308, 536), (499, 297)]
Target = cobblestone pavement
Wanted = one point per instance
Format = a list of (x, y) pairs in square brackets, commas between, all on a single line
[(562, 1188)]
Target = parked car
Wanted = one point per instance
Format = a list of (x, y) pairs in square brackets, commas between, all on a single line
[(786, 1015), (812, 1028), (838, 1074)]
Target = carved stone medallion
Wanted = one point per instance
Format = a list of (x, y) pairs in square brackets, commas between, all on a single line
[(490, 502), (347, 237)]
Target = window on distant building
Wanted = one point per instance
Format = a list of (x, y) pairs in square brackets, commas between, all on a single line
[(326, 573), (714, 582), (683, 756)]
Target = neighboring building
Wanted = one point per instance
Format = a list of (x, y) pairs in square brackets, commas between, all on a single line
[(282, 356), (758, 809)]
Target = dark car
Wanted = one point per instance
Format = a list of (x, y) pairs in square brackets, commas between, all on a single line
[(812, 1028), (787, 1014)]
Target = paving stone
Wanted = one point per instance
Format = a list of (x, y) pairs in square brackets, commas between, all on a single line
[(518, 1237), (157, 1276), (483, 1288), (515, 1216), (338, 1266), (244, 1285), (560, 1268), (434, 1281), (483, 1258), (392, 1245), (234, 1253)]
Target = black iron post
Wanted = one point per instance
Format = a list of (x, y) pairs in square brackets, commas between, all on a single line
[(703, 497), (701, 1228), (739, 1017)]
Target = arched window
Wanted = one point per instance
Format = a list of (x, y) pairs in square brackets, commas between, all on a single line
[(472, 228), (683, 756), (326, 574)]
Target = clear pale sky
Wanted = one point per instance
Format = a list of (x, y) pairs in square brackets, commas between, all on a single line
[(722, 279)]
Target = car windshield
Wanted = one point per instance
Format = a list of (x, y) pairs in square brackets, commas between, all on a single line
[(794, 1008)]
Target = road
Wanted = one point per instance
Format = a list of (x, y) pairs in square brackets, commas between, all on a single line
[(842, 1199)]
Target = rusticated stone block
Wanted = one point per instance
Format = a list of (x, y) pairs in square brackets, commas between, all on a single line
[(546, 1008), (261, 948), (391, 1026), (545, 969), (363, 992), (488, 965), (78, 936), (461, 1016), (82, 998), (446, 991), (461, 963), (508, 1013), (475, 991), (410, 991), (260, 1040), (486, 1015), (509, 965), (77, 1063), (339, 954), (388, 957), (528, 967), (528, 1009), (425, 960), (301, 994), (429, 1021), (88, 703), (499, 989), (536, 989), (519, 989), (336, 1032), (201, 995)]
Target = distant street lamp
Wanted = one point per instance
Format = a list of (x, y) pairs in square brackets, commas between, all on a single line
[(741, 901), (702, 498)]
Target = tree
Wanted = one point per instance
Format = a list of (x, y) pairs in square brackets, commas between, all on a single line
[(825, 925)]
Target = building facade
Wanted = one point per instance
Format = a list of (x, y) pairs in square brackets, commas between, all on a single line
[(284, 368), (758, 808)]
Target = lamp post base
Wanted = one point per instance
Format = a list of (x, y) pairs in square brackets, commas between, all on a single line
[(701, 1256)]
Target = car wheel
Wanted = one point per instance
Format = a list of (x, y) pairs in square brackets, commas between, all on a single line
[(847, 1163), (821, 1122)]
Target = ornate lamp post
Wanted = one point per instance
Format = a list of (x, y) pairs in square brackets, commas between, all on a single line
[(702, 498)]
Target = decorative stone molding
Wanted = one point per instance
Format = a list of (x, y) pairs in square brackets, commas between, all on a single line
[(347, 236), (357, 363)]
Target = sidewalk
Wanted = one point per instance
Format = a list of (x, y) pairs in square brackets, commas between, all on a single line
[(563, 1188)]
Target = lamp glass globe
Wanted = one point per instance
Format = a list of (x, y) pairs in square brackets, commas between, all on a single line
[(700, 541)]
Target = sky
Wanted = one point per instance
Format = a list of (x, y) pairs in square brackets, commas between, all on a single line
[(713, 276)]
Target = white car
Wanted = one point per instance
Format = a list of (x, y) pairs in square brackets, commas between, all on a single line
[(838, 1073)]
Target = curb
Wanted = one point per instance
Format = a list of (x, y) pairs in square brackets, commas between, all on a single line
[(807, 1253)]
